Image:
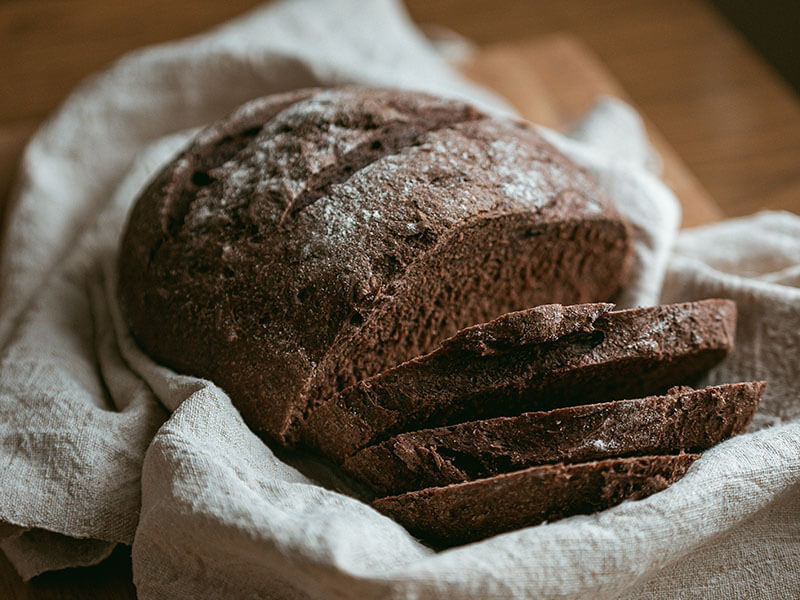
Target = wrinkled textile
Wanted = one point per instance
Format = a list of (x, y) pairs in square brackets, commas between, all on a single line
[(101, 446)]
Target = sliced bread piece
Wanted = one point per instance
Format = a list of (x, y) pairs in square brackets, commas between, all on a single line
[(683, 420), (466, 512), (542, 358)]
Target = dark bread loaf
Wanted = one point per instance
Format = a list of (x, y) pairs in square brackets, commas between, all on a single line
[(301, 252), (682, 420), (545, 357), (465, 512), (316, 238)]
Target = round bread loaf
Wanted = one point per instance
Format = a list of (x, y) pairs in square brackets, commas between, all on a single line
[(315, 238)]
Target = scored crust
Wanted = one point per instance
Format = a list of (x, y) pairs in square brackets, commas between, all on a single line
[(316, 238)]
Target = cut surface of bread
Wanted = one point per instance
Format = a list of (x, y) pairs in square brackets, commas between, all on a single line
[(680, 421), (542, 358), (465, 512)]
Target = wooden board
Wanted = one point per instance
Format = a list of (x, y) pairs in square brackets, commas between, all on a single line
[(550, 80)]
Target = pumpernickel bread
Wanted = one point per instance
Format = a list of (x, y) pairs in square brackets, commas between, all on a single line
[(538, 359), (465, 512), (316, 238), (683, 420), (319, 254)]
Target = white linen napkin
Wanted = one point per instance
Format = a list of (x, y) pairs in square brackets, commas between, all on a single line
[(101, 446)]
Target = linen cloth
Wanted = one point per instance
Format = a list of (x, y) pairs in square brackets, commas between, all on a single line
[(101, 446)]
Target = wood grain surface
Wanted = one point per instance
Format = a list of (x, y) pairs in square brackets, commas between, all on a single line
[(726, 125)]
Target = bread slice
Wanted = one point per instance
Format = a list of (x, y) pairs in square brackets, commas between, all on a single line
[(542, 358), (315, 238), (683, 420), (466, 512)]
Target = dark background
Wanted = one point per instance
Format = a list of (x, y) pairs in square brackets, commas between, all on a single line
[(772, 27)]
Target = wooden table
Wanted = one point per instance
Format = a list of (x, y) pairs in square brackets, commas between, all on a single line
[(728, 128)]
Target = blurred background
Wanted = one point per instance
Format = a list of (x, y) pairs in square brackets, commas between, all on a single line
[(717, 78)]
